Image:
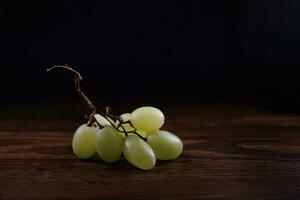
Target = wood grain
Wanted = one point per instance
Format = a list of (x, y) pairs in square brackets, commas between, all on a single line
[(229, 154)]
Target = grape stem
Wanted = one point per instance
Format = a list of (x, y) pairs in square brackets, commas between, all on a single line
[(115, 121)]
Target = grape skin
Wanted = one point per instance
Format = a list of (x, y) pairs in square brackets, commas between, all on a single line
[(147, 119), (138, 152), (109, 144), (126, 117), (142, 133), (83, 143), (165, 145), (101, 120)]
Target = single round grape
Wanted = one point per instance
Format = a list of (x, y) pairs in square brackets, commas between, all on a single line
[(165, 145), (83, 143), (147, 119), (138, 152), (109, 144)]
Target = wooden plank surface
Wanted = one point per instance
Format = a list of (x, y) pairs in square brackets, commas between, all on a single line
[(228, 153)]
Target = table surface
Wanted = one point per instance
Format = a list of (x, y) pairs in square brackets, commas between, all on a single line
[(229, 153)]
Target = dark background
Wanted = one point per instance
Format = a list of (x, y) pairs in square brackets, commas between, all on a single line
[(171, 51)]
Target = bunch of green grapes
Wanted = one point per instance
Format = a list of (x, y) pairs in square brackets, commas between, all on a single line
[(137, 135)]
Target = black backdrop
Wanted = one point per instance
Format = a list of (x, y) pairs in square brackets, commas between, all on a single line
[(172, 50)]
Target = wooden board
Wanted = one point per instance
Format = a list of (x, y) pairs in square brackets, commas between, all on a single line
[(228, 154)]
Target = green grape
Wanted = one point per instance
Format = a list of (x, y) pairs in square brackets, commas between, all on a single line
[(121, 133), (166, 146), (147, 119), (142, 133), (83, 142), (126, 117), (138, 152), (109, 144), (101, 120)]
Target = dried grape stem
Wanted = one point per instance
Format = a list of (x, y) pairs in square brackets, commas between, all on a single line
[(91, 118), (83, 96), (77, 80)]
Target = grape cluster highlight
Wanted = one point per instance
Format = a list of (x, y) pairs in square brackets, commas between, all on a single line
[(135, 135)]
